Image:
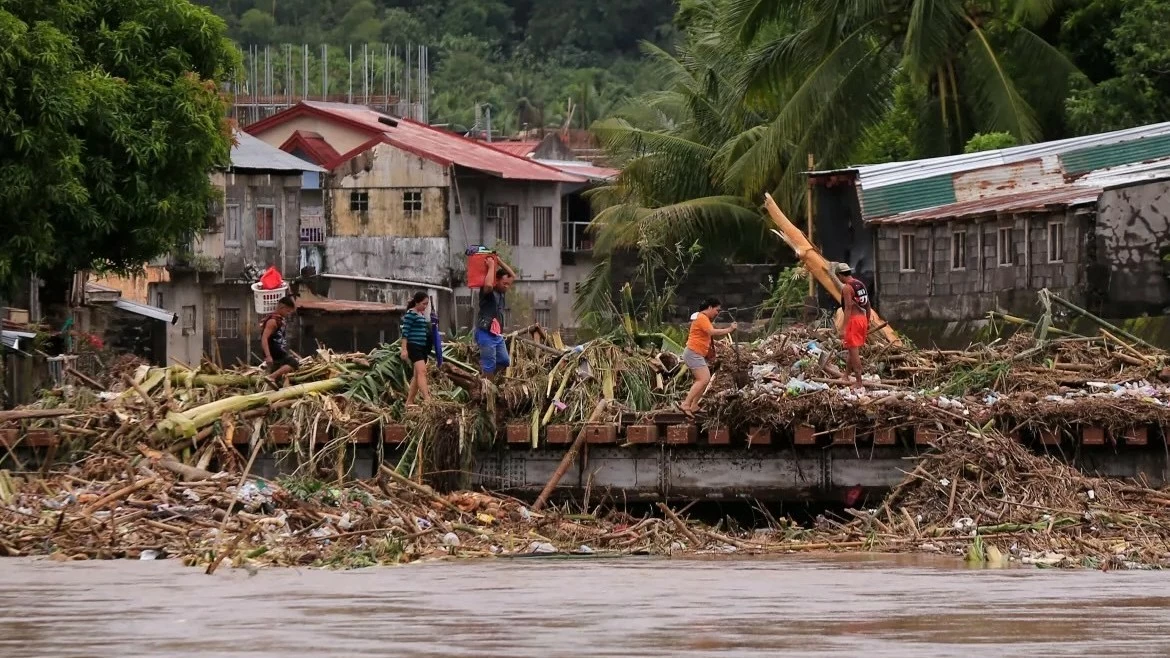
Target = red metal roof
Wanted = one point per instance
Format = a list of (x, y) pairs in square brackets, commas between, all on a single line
[(313, 145), (522, 148), (425, 141), (346, 306), (1071, 195)]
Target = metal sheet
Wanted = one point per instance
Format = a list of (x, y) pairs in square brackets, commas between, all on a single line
[(146, 310)]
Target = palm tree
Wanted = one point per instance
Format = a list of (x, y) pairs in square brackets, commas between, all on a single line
[(826, 70), (675, 149)]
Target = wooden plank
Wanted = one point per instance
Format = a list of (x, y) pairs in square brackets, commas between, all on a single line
[(519, 433), (279, 435), (1093, 436), (364, 435), (1050, 437), (924, 435), (642, 434), (1136, 436), (601, 433), (759, 436), (846, 436), (559, 434), (718, 436), (884, 436), (394, 434), (806, 435), (682, 434)]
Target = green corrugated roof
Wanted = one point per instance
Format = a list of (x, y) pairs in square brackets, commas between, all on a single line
[(1112, 155), (910, 195)]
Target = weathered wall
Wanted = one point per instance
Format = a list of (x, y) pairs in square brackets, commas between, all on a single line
[(383, 242), (1133, 235), (936, 291), (411, 259), (247, 192), (135, 287), (340, 137), (386, 173), (184, 343)]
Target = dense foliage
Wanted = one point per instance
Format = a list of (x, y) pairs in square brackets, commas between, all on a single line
[(110, 120), (756, 87), (527, 59)]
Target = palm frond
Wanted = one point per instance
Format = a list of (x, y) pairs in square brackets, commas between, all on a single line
[(934, 33), (1001, 107)]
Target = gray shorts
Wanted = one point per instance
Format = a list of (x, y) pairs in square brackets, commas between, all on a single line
[(693, 359)]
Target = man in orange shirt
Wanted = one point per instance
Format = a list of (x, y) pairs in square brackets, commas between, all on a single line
[(697, 350)]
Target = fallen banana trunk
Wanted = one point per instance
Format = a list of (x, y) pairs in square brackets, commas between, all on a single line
[(188, 423), (815, 263)]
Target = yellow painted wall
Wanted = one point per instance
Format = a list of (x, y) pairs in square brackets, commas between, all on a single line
[(387, 173), (135, 287)]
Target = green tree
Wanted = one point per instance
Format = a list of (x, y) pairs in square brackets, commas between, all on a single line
[(257, 27), (826, 72), (989, 142), (1136, 39), (110, 121)]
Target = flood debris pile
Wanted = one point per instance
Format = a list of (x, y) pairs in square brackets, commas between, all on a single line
[(151, 507), (985, 496)]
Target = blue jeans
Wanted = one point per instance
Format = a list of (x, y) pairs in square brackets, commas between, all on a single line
[(493, 353)]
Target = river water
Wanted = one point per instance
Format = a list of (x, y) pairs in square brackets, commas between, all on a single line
[(520, 608)]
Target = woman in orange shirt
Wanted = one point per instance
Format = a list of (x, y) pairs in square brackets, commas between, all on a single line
[(698, 347)]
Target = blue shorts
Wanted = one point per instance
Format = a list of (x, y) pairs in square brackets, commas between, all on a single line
[(493, 352)]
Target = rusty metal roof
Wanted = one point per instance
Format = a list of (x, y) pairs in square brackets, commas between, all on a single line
[(434, 144), (347, 307), (1033, 201), (522, 148)]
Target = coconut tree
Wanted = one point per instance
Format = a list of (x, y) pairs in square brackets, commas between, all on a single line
[(824, 71), (675, 148)]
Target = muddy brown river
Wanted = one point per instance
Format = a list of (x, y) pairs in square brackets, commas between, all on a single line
[(521, 608)]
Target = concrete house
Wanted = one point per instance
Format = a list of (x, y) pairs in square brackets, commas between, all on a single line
[(950, 239), (258, 224), (576, 213), (402, 201)]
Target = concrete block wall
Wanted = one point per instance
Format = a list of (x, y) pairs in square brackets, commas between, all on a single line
[(935, 290)]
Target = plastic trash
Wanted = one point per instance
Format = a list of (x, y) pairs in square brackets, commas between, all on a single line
[(423, 524), (451, 540), (542, 547), (583, 549), (148, 554)]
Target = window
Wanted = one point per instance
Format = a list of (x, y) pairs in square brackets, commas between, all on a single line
[(266, 224), (227, 323), (1056, 242), (312, 226), (542, 226), (959, 250), (231, 230), (188, 320), (566, 287), (359, 201), (542, 316), (906, 252), (412, 203), (507, 223), (1004, 247)]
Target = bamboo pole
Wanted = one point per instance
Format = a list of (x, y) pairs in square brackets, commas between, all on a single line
[(570, 456), (808, 207), (814, 262)]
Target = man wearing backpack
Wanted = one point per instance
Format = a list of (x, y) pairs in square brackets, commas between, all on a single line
[(280, 360)]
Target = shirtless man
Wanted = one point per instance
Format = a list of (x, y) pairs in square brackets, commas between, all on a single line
[(855, 303)]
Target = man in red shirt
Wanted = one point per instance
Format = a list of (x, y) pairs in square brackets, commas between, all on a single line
[(855, 303)]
